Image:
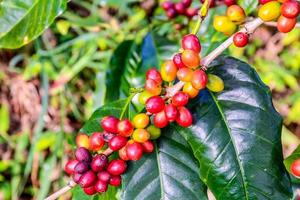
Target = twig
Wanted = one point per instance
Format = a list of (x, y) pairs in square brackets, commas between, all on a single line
[(201, 14)]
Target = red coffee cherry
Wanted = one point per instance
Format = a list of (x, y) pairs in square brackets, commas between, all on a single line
[(123, 154), (81, 167), (199, 79), (103, 176), (171, 13), (171, 112), (191, 59), (290, 9), (240, 39), (110, 124), (134, 150), (295, 168), (70, 166), (180, 99), (186, 3), (82, 154), (191, 42), (116, 167), (285, 24), (160, 119), (115, 181), (90, 190), (87, 179), (155, 104), (167, 5), (76, 177), (148, 146), (153, 87), (180, 8), (264, 1), (184, 117), (125, 128), (191, 12), (82, 140), (117, 142), (100, 186), (212, 3), (154, 74), (178, 61), (229, 2), (96, 141), (99, 162)]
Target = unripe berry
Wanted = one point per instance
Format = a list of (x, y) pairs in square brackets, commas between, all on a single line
[(168, 71), (154, 132), (185, 74), (191, 42), (154, 74), (290, 9), (190, 90), (269, 11), (166, 5), (177, 60), (186, 3), (140, 135), (215, 83), (125, 128), (103, 176), (81, 167), (117, 142), (122, 154), (171, 112), (70, 166), (224, 25), (90, 190), (240, 39), (100, 186), (160, 119), (153, 87), (184, 117), (180, 8), (180, 99), (229, 2), (295, 168), (82, 154), (76, 177), (140, 120), (87, 179), (134, 150), (144, 96), (115, 181), (155, 104), (99, 162), (110, 124), (199, 79), (116, 167), (236, 14), (285, 24), (148, 146), (190, 58), (82, 140), (96, 141)]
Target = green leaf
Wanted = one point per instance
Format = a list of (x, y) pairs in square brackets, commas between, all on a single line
[(248, 5), (23, 21), (289, 160), (236, 137), (171, 172)]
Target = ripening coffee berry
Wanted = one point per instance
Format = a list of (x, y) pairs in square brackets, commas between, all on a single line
[(103, 176), (70, 166), (82, 140), (166, 5), (185, 74), (154, 132), (148, 146), (240, 39), (117, 142), (199, 79), (168, 71), (90, 190), (224, 25), (186, 3), (285, 24), (236, 14), (140, 120), (178, 61), (82, 154), (160, 119), (116, 167), (290, 9), (144, 96), (125, 128), (264, 1), (101, 186), (191, 42), (190, 90), (215, 83), (96, 141), (154, 74), (295, 168), (269, 11), (184, 117), (87, 179), (229, 2), (180, 99), (134, 150), (99, 162), (180, 8), (122, 154), (140, 135), (171, 112), (115, 181), (153, 87), (76, 177), (155, 104), (81, 167), (190, 58), (110, 124)]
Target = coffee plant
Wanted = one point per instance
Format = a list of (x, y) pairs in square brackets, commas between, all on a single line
[(190, 121)]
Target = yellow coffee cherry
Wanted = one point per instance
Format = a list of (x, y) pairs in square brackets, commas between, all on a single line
[(190, 90), (141, 120), (236, 14), (224, 24), (168, 71), (269, 11), (144, 96), (140, 135), (215, 83)]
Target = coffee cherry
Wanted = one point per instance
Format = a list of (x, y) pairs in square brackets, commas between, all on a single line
[(90, 190), (99, 162), (185, 74), (117, 142), (153, 87), (100, 186), (154, 74), (140, 135), (122, 154), (81, 167), (178, 61), (171, 13), (290, 9), (229, 2), (180, 8), (236, 14), (115, 181), (180, 99), (168, 71), (186, 3), (154, 132), (264, 1), (160, 119), (167, 5), (184, 117), (140, 120), (269, 11), (82, 154), (191, 42), (212, 3), (134, 150), (116, 167), (87, 179), (76, 177), (110, 124), (148, 146), (215, 83), (285, 24), (125, 128), (240, 39), (96, 141), (171, 112), (190, 90), (155, 104), (82, 140), (295, 168), (190, 59), (191, 12), (103, 176), (224, 25), (199, 79), (144, 96), (70, 166)]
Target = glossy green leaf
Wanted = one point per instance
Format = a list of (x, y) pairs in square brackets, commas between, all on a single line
[(289, 160), (236, 137), (248, 5), (23, 21)]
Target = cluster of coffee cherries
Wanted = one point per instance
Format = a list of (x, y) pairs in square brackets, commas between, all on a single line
[(181, 8), (286, 13)]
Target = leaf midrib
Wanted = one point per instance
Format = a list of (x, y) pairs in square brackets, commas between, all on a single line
[(162, 194)]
